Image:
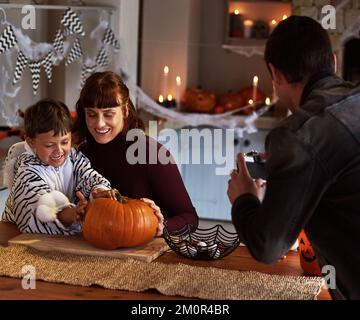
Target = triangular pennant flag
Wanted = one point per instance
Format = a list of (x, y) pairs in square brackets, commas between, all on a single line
[(86, 71), (72, 22), (7, 39), (47, 64), (35, 74), (75, 52), (59, 42), (101, 58), (21, 63), (110, 39)]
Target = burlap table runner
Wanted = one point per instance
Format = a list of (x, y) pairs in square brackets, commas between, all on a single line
[(168, 279)]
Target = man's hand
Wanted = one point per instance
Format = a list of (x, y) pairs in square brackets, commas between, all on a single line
[(241, 182), (158, 214)]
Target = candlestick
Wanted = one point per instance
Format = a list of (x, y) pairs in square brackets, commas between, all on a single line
[(255, 85), (177, 97), (236, 24), (247, 28), (166, 72)]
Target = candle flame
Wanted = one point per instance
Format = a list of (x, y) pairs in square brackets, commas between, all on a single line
[(251, 101), (161, 98), (178, 80), (166, 69), (170, 97), (267, 101), (237, 11), (273, 22), (284, 17), (255, 80)]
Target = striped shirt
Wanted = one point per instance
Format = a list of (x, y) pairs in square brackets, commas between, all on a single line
[(33, 179)]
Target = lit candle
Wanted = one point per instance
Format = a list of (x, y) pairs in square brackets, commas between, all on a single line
[(178, 87), (255, 85), (247, 28), (250, 101), (236, 24), (161, 98), (267, 101), (170, 97), (272, 25), (284, 17), (166, 72)]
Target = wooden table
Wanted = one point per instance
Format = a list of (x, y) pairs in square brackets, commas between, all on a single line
[(240, 259)]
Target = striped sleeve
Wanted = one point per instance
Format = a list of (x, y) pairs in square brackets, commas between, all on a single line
[(87, 179), (21, 205)]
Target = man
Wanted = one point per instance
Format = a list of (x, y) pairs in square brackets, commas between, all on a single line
[(313, 160)]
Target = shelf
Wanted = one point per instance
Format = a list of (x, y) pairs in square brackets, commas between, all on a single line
[(247, 51)]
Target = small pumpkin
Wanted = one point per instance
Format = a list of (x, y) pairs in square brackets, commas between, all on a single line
[(308, 260), (231, 100), (199, 100), (247, 94), (110, 224)]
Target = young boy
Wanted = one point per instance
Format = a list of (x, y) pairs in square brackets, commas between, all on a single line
[(46, 177)]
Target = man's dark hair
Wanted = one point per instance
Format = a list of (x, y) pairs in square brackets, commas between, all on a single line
[(299, 47), (47, 115)]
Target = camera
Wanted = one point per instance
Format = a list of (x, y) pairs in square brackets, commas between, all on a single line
[(255, 165)]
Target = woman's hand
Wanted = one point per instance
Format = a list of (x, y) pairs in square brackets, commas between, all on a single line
[(158, 214), (104, 193)]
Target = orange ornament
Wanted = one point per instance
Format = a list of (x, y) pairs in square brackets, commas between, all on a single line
[(308, 260)]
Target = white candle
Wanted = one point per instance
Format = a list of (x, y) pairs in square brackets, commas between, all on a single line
[(255, 85), (166, 72), (247, 28), (178, 86), (272, 25)]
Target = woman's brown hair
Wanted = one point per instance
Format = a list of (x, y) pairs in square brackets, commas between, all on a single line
[(106, 90)]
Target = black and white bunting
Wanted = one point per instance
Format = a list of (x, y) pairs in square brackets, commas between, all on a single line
[(35, 74), (21, 63), (86, 71), (110, 39), (47, 64), (58, 43), (102, 58), (75, 52), (72, 22), (7, 39)]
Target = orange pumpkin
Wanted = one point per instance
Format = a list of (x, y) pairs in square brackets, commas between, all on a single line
[(110, 224), (247, 94), (198, 100), (231, 100), (308, 259)]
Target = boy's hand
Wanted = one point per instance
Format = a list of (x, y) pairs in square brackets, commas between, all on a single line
[(70, 215)]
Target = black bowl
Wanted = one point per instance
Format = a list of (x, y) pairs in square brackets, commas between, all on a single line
[(202, 244)]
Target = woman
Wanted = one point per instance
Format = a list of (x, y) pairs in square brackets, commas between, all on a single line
[(105, 115)]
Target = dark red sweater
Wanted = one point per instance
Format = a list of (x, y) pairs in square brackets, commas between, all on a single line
[(161, 183)]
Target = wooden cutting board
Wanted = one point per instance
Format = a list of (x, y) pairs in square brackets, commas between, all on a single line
[(77, 245)]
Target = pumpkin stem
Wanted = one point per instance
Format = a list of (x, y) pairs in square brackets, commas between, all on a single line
[(119, 197)]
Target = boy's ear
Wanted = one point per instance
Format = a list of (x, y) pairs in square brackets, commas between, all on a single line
[(277, 75), (29, 141)]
